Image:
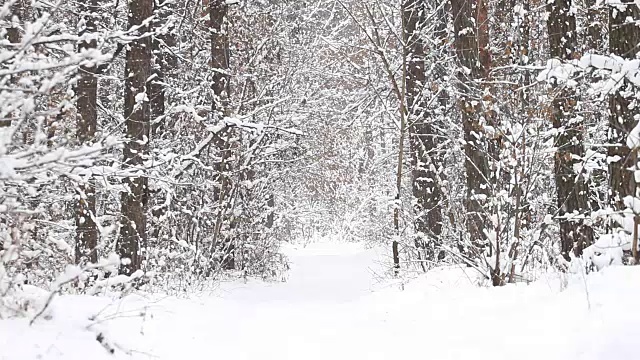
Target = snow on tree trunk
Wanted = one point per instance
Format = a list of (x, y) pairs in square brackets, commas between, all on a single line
[(624, 37), (87, 120), (572, 191), (218, 12), (422, 134), (134, 198), (476, 163)]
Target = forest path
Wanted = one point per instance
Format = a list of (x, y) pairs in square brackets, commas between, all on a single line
[(313, 315), (319, 273), (333, 308)]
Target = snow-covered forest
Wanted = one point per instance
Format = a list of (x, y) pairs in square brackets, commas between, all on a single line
[(293, 179)]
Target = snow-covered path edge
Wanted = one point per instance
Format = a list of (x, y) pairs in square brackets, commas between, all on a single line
[(333, 307)]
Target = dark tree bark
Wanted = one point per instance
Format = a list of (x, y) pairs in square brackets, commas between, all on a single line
[(137, 115), (522, 211), (594, 37), (218, 10), (162, 63), (624, 37), (219, 56), (165, 68), (484, 53), (13, 32), (422, 134), (596, 26), (496, 178), (156, 90), (271, 204), (19, 11), (156, 87), (477, 167), (441, 76), (87, 120), (572, 190)]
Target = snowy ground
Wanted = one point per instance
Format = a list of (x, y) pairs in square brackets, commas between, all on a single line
[(332, 307)]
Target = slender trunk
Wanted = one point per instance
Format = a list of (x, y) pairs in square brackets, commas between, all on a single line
[(156, 88), (396, 213), (400, 90), (218, 11), (17, 15), (87, 120), (572, 192), (219, 56), (484, 53), (137, 115), (475, 148), (442, 77), (271, 204), (165, 66), (594, 42), (520, 58), (497, 178), (624, 36), (160, 65), (422, 134), (596, 26)]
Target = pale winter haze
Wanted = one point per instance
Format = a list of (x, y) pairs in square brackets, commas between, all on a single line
[(344, 179)]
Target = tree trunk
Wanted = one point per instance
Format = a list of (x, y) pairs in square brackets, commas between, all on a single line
[(475, 148), (165, 66), (219, 56), (218, 10), (19, 11), (422, 134), (497, 178), (87, 120), (596, 22), (594, 42), (13, 32), (624, 37), (571, 188), (160, 65), (521, 58), (137, 115), (271, 204)]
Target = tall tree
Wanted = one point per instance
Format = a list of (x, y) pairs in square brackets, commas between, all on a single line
[(163, 37), (475, 148), (624, 37), (87, 119), (571, 187), (164, 67), (524, 103), (596, 26), (594, 36), (422, 132), (134, 198), (489, 117), (19, 12), (218, 11), (219, 56)]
